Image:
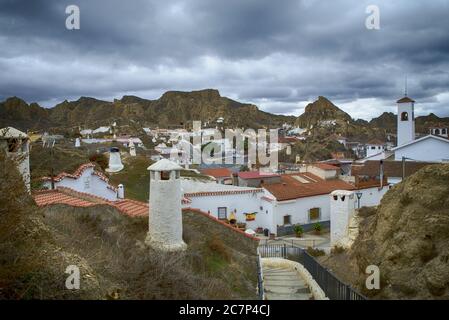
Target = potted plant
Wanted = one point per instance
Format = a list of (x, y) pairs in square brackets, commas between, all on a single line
[(317, 227), (298, 231)]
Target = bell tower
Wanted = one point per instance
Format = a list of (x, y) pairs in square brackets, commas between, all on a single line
[(406, 120)]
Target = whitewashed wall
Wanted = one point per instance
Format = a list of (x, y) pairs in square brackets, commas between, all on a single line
[(243, 203), (431, 150), (96, 186), (372, 196), (299, 209)]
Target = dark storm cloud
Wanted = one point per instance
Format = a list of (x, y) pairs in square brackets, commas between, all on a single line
[(278, 55)]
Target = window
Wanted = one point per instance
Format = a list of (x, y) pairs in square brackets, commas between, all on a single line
[(222, 213), (287, 219), (314, 214), (404, 116), (373, 148), (443, 131), (437, 132), (165, 175)]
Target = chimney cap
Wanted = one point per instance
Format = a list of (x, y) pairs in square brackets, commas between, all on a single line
[(164, 165)]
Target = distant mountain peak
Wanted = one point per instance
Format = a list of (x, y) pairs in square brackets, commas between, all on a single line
[(319, 110)]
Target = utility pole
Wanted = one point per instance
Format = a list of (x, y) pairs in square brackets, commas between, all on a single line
[(403, 168)]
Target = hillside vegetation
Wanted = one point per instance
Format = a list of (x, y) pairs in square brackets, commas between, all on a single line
[(37, 245)]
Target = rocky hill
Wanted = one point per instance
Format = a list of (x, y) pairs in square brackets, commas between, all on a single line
[(173, 108), (321, 110), (407, 237)]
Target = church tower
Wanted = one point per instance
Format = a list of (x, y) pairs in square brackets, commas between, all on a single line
[(165, 216), (406, 120)]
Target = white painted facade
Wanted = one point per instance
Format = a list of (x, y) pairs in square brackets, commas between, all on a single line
[(87, 182), (406, 122), (270, 213), (429, 148), (374, 149)]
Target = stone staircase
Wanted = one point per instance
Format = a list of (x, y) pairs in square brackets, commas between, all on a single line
[(284, 284)]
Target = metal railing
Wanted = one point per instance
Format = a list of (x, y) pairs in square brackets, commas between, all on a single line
[(298, 242), (334, 288)]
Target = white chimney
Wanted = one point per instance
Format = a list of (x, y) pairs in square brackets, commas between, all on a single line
[(115, 162), (77, 143), (165, 217), (121, 191)]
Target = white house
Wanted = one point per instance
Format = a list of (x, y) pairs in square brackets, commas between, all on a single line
[(429, 148), (87, 180), (299, 198), (374, 147)]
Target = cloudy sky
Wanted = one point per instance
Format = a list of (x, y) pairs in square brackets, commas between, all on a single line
[(279, 55)]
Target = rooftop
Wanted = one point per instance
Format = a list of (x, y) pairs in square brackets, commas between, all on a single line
[(371, 168), (217, 172), (405, 100), (78, 199), (300, 185), (325, 166), (164, 165), (10, 132), (256, 175)]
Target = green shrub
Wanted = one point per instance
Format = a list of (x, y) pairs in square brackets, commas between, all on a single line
[(298, 230), (317, 227)]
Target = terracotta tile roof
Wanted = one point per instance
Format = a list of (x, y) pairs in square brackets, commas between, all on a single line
[(74, 198), (132, 208), (325, 166), (49, 197), (217, 172), (221, 193), (290, 188), (376, 142), (371, 168), (78, 172), (256, 175)]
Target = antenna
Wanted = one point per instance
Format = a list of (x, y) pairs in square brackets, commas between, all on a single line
[(406, 85)]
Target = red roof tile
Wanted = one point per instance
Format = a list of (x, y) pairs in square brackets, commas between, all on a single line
[(217, 172), (290, 188), (221, 193), (78, 172), (74, 198), (325, 166), (256, 175)]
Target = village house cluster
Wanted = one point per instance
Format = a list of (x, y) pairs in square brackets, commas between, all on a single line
[(254, 199)]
